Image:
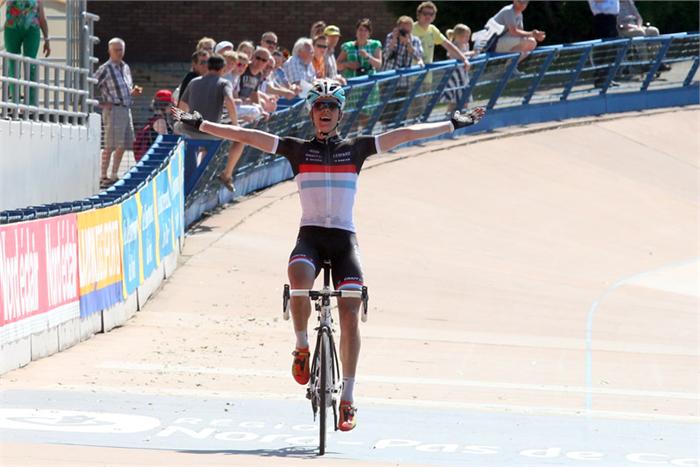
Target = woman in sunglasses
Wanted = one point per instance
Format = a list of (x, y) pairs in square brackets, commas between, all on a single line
[(326, 169)]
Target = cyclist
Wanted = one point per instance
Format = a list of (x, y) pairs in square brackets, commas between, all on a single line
[(326, 170)]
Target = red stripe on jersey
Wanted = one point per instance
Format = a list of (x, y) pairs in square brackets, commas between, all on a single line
[(320, 168)]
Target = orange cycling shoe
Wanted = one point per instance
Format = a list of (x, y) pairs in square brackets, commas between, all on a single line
[(347, 416), (300, 366)]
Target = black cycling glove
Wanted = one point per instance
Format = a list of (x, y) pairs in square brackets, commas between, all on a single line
[(460, 120), (193, 119)]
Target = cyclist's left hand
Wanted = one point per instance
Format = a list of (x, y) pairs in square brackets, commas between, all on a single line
[(460, 120)]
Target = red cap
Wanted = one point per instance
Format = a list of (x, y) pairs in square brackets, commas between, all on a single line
[(164, 95)]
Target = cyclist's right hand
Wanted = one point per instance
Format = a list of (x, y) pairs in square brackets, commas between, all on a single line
[(193, 119)]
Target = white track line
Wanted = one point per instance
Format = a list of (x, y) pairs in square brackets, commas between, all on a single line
[(158, 368)]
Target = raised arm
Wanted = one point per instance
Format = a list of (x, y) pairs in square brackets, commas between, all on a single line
[(391, 139), (256, 138)]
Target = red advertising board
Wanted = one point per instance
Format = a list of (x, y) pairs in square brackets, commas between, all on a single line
[(38, 267)]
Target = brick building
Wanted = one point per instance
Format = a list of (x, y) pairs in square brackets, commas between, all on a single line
[(167, 31)]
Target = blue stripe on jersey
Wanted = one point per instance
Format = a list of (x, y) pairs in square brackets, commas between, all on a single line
[(349, 184)]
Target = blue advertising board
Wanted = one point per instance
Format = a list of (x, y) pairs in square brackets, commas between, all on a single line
[(131, 243), (149, 230), (166, 236)]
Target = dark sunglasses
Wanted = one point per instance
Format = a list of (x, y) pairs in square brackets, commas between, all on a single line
[(321, 46), (427, 13), (322, 105), (262, 59), (203, 62), (268, 41)]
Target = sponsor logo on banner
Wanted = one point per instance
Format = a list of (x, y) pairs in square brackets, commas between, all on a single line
[(166, 236), (175, 170), (99, 235), (149, 230), (38, 272), (131, 243)]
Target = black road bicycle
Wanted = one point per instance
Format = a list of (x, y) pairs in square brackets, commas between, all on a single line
[(325, 382)]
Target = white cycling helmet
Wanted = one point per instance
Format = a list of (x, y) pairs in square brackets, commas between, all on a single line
[(325, 88)]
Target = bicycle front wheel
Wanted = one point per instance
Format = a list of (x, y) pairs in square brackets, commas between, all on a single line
[(324, 397)]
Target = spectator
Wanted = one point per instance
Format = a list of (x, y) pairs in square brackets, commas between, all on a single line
[(25, 19), (317, 28), (231, 59), (459, 36), (430, 36), (604, 18), (270, 85), (401, 48), (298, 68), (362, 56), (199, 68), (251, 80), (631, 24), (208, 95), (332, 34), (318, 60), (160, 105), (236, 64), (222, 47), (280, 74), (206, 43), (247, 48), (116, 87), (515, 38), (160, 123), (604, 27), (269, 41)]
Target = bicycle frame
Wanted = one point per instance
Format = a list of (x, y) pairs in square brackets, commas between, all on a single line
[(325, 382)]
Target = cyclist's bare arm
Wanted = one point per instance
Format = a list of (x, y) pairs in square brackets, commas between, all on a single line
[(256, 138), (393, 138)]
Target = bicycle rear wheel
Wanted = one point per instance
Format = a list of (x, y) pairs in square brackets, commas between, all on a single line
[(324, 397)]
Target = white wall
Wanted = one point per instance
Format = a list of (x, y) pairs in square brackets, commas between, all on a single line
[(48, 162)]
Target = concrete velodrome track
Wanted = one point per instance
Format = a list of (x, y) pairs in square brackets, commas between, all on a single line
[(534, 301)]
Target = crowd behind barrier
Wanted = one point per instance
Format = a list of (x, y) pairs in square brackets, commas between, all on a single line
[(553, 83)]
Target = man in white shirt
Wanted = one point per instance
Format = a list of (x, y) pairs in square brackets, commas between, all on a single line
[(604, 27), (604, 17)]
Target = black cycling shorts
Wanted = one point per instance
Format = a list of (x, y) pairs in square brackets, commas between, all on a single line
[(317, 244)]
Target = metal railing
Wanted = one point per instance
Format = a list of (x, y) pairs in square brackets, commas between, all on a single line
[(37, 90), (575, 73), (54, 89), (553, 82)]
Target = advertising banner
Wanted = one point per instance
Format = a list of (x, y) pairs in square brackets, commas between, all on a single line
[(131, 246), (166, 236), (177, 192), (100, 259), (149, 231), (38, 275)]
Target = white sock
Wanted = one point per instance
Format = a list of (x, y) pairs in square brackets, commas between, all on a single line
[(302, 339), (348, 385)]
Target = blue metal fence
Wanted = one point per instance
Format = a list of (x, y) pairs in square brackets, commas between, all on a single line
[(552, 83)]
